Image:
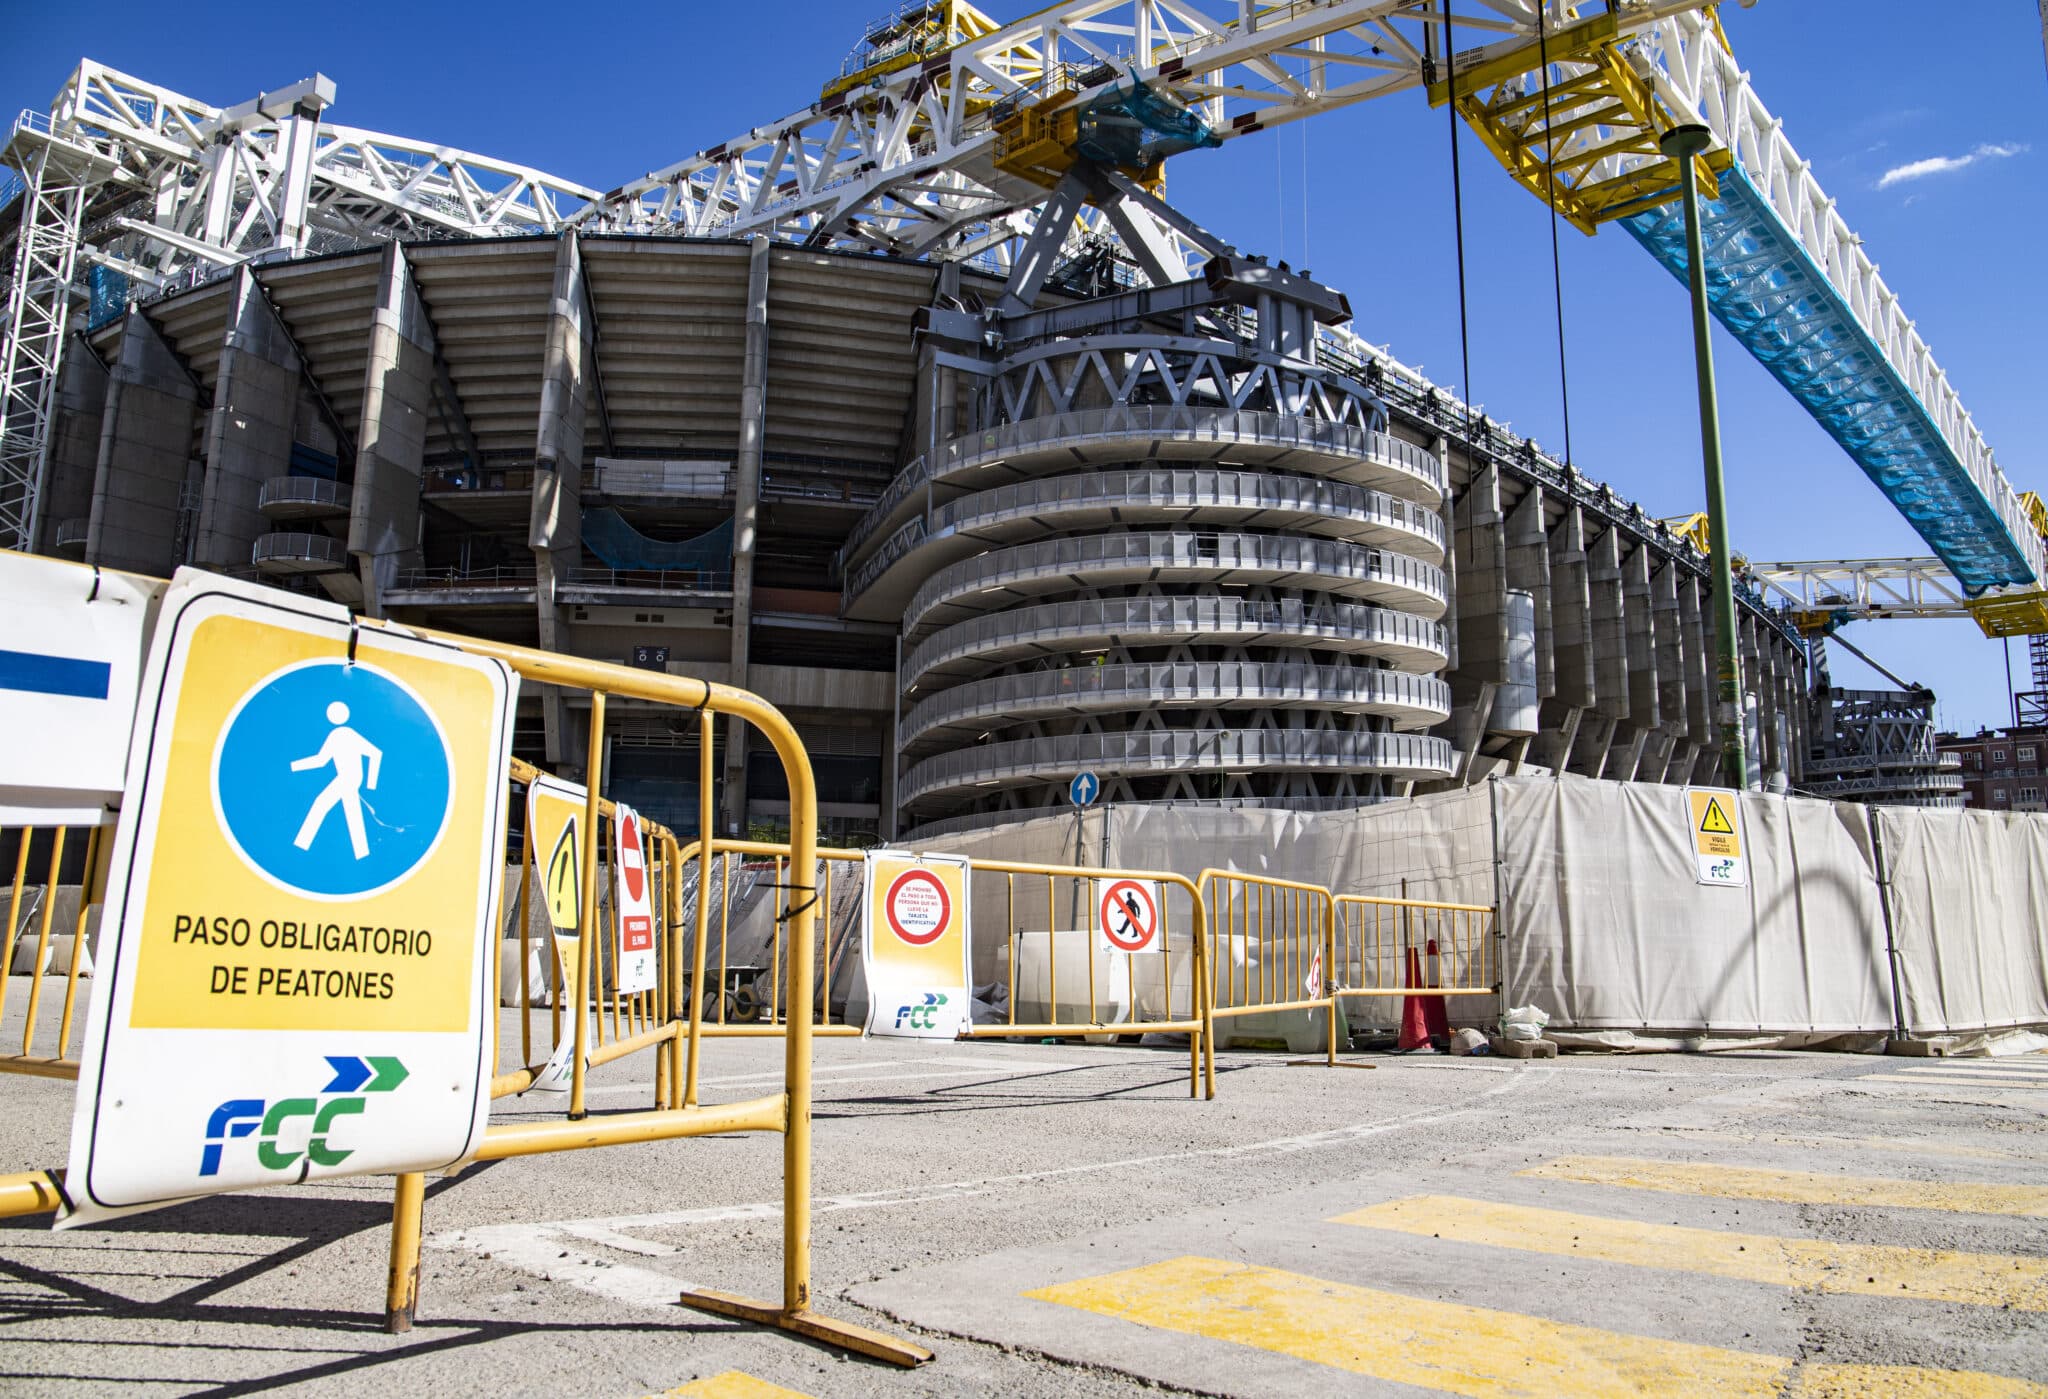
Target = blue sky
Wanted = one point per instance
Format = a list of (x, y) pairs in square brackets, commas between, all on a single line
[(1934, 151)]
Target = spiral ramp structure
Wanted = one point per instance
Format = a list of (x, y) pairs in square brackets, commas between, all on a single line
[(1203, 571)]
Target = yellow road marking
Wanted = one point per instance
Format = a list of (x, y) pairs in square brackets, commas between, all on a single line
[(1472, 1351), (1983, 1279), (1795, 1187), (1896, 1144), (2006, 1083), (733, 1384), (1904, 1382)]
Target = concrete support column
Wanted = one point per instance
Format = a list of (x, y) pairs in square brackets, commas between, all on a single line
[(746, 507), (1673, 695), (555, 520), (80, 410), (249, 432), (1481, 604), (1528, 550), (145, 456), (398, 388), (1571, 641), (1610, 647)]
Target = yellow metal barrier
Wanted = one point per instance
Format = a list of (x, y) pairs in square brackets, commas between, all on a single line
[(622, 1023), (746, 1013), (1192, 1020), (787, 1112), (32, 929), (1452, 943), (1273, 946)]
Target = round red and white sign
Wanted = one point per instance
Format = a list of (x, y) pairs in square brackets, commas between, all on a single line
[(918, 907), (1129, 915), (632, 862)]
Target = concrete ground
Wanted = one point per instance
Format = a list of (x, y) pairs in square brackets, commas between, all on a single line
[(1063, 1220)]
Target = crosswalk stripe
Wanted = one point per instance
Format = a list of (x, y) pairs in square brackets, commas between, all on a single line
[(733, 1384), (1795, 1187), (1473, 1351), (1908, 1145), (1937, 1275), (1997, 1082)]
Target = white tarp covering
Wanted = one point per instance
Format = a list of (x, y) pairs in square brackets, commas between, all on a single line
[(1969, 905), (1609, 928), (1606, 924)]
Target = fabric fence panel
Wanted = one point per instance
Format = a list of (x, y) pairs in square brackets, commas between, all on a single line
[(1609, 928), (1969, 906)]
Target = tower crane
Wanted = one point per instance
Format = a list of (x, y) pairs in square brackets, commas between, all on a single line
[(950, 135)]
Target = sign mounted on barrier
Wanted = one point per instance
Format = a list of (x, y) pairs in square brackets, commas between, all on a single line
[(301, 906), (915, 951), (72, 643), (632, 899), (1716, 832), (1127, 915)]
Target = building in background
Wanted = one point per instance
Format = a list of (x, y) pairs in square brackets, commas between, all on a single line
[(2001, 768)]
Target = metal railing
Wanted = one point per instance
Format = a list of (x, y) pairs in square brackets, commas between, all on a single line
[(1179, 750), (1331, 564), (1273, 944), (1194, 620), (292, 546), (1189, 488), (1161, 990), (35, 935), (658, 580), (303, 490), (520, 576), (1396, 947), (1420, 700), (1339, 442)]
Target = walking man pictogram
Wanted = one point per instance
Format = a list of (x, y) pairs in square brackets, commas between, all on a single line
[(350, 754)]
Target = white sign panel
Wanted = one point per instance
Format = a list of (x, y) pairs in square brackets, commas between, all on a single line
[(72, 643), (1127, 915), (915, 951), (296, 978), (633, 902)]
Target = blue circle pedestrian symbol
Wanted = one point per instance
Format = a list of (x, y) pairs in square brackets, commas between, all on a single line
[(333, 780)]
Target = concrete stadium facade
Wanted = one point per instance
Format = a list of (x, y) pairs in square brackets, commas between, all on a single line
[(1199, 540)]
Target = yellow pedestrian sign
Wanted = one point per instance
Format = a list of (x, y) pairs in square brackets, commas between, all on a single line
[(305, 882), (1716, 834)]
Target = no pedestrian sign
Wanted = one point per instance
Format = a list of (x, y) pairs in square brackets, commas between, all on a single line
[(301, 899), (1127, 915), (1715, 821)]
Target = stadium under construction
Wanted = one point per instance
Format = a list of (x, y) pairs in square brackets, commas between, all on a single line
[(924, 415)]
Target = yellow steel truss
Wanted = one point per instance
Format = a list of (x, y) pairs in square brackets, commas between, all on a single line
[(1597, 93)]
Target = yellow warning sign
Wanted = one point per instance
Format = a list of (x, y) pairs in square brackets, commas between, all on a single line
[(554, 820), (562, 878), (1716, 830)]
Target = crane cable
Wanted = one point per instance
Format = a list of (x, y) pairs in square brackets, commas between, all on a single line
[(1564, 386), (1458, 221)]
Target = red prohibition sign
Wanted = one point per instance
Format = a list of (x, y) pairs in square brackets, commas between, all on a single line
[(632, 861), (1129, 916), (918, 907)]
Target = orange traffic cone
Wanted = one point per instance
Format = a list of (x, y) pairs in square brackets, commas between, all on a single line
[(1435, 1015), (1414, 1019)]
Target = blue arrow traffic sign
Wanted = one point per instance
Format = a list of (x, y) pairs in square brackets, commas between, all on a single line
[(1081, 791)]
